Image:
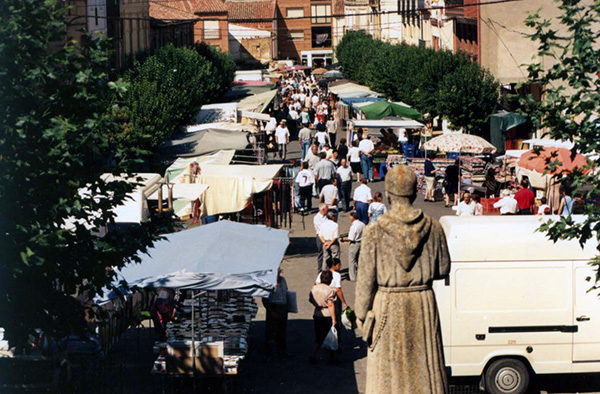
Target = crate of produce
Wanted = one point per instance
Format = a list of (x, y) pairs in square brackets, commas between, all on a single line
[(488, 205)]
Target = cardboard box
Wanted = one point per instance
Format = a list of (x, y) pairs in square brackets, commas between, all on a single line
[(208, 360)]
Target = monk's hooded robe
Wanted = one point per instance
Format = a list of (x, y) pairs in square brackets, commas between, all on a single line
[(400, 257)]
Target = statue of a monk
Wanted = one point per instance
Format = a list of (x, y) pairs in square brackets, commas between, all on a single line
[(401, 254)]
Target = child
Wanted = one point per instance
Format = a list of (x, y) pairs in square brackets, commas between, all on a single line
[(376, 208), (544, 209), (478, 206)]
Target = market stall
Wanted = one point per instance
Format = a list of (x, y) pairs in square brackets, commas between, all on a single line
[(217, 269)]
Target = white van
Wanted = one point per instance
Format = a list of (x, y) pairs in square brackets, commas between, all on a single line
[(516, 303)]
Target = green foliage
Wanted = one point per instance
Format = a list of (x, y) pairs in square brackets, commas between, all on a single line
[(55, 116), (568, 46), (433, 82), (167, 90), (467, 97)]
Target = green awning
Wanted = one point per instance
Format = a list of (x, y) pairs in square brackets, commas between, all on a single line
[(500, 123), (381, 109)]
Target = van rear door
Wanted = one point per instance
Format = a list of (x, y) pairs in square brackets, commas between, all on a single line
[(586, 341)]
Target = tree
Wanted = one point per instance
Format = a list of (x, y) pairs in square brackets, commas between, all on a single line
[(569, 106), (467, 96), (166, 91), (223, 68), (55, 116), (437, 83)]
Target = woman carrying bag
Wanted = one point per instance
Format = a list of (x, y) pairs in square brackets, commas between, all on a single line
[(323, 297)]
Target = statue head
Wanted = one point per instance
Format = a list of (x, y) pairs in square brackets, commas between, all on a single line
[(401, 183)]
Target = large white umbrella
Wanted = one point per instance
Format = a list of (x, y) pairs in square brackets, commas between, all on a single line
[(463, 143)]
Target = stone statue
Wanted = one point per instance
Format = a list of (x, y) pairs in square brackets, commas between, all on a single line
[(402, 253)]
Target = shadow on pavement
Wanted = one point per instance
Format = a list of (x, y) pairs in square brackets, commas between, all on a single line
[(295, 374), (305, 246)]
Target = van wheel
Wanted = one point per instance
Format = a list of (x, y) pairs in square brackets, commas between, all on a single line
[(506, 376)]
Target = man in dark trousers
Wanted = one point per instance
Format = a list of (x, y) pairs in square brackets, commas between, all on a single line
[(525, 198)]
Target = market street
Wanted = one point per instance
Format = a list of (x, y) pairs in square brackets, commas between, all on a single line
[(296, 375)]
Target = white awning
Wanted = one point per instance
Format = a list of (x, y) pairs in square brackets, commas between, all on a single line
[(385, 123)]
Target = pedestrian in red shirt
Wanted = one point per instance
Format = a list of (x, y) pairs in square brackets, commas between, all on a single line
[(525, 198)]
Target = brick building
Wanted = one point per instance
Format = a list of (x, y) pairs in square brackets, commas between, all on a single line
[(305, 31), (252, 31), (170, 25)]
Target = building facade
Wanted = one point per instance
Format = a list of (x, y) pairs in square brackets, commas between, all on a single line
[(252, 31), (305, 31)]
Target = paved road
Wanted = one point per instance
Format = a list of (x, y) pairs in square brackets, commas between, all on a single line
[(129, 364), (296, 375)]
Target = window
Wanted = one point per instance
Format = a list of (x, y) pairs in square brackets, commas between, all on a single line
[(211, 30), (297, 35), (294, 12), (321, 13), (321, 37)]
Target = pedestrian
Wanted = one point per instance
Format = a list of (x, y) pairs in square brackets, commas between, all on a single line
[(478, 206), (525, 198), (507, 204), (362, 199), (276, 320), (354, 238), (282, 135), (403, 140), (329, 235), (304, 116), (366, 148), (305, 180), (354, 158), (466, 207), (322, 138), (163, 311), (430, 171), (305, 140), (312, 156), (334, 265), (329, 196), (544, 209), (565, 207), (318, 220), (342, 149), (331, 127), (451, 183), (324, 171), (323, 297), (344, 174), (376, 208)]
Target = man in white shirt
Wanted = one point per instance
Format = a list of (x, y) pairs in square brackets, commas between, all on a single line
[(362, 199), (305, 180), (320, 218), (466, 207), (354, 237), (507, 204), (329, 235), (315, 99), (344, 173), (282, 135), (366, 148), (329, 196), (323, 139)]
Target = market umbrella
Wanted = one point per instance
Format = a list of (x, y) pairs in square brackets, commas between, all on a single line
[(319, 71), (463, 143), (333, 74), (537, 161), (381, 109)]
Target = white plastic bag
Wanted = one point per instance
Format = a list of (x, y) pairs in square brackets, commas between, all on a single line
[(331, 340)]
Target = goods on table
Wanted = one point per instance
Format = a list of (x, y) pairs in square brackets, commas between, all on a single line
[(222, 319), (473, 166), (418, 166)]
